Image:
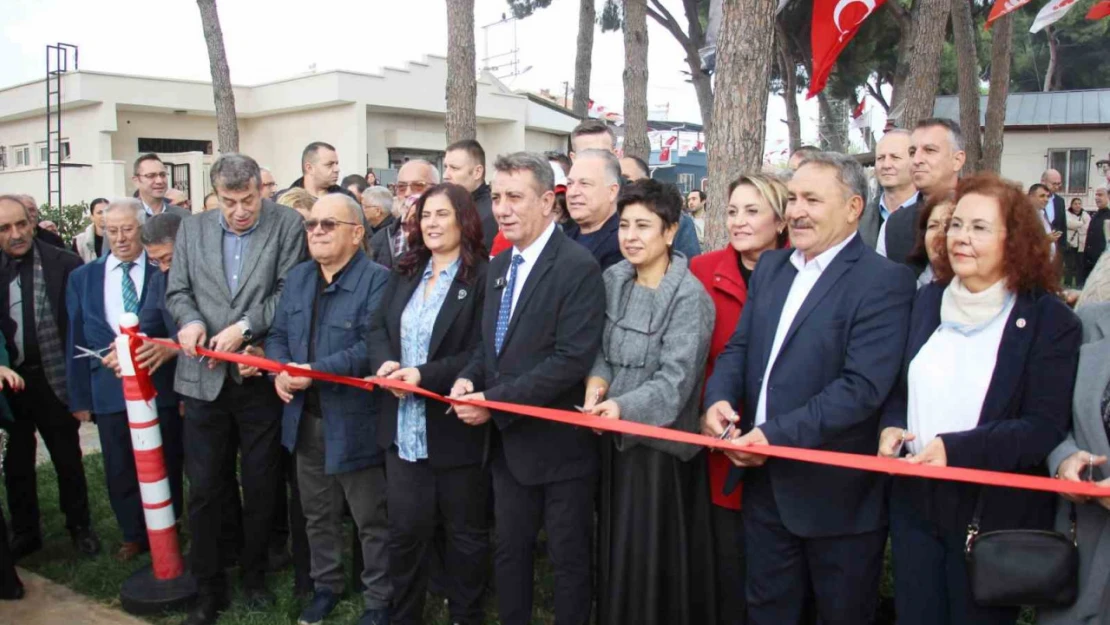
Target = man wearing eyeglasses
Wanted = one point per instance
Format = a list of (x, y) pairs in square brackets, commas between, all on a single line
[(323, 319), (414, 178), (228, 271), (152, 182)]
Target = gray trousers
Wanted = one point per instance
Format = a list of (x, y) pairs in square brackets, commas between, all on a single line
[(322, 498)]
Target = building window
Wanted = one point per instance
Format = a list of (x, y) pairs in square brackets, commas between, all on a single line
[(173, 146), (43, 154), (65, 149), (1073, 165), (686, 183), (22, 155), (3, 158)]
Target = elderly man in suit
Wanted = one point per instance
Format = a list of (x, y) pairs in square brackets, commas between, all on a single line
[(817, 350), (97, 295), (34, 311), (228, 271), (1055, 210), (323, 320), (543, 317)]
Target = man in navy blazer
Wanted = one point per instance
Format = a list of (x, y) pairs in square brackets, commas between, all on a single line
[(322, 320), (97, 294), (816, 352)]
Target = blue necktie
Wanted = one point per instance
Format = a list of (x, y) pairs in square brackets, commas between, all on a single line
[(130, 296), (505, 313)]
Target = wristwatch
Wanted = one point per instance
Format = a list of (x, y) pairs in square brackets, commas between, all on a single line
[(245, 326)]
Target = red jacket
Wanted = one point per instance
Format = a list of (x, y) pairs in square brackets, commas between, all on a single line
[(719, 273)]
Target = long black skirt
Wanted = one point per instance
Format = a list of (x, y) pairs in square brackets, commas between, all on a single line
[(655, 548)]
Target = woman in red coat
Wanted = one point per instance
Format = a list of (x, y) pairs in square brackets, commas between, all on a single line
[(756, 223)]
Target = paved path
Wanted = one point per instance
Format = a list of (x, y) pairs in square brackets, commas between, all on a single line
[(47, 603)]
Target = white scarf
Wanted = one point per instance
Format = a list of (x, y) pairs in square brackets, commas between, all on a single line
[(963, 310)]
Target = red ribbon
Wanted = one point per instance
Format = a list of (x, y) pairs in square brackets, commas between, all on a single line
[(860, 462)]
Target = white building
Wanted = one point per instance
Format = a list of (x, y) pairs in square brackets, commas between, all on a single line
[(373, 120), (1065, 130)]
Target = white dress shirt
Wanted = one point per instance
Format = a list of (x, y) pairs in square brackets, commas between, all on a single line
[(531, 255), (113, 287), (949, 378), (880, 245), (808, 274)]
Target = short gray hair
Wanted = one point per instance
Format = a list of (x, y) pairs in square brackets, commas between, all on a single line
[(431, 167), (848, 171), (379, 196), (125, 204), (611, 162), (161, 228), (356, 215), (234, 171), (533, 162)]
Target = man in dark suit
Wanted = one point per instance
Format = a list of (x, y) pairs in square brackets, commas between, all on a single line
[(1056, 210), (937, 154), (34, 276), (228, 271), (97, 295), (541, 330), (896, 190), (817, 350)]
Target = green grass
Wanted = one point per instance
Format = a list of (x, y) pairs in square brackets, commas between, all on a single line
[(101, 577)]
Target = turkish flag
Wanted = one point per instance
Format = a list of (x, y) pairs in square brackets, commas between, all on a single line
[(701, 144), (665, 155), (835, 22), (1002, 7), (1099, 11), (859, 109), (672, 140), (1050, 14)]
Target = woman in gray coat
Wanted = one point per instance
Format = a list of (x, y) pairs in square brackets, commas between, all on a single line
[(655, 558), (1082, 456)]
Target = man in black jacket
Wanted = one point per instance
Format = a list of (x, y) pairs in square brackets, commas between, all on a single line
[(465, 165), (33, 312), (319, 171), (542, 323)]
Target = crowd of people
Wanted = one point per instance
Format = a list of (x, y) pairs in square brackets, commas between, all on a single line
[(930, 323)]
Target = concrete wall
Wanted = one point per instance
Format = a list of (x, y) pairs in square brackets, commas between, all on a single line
[(277, 141), (539, 141), (1025, 155)]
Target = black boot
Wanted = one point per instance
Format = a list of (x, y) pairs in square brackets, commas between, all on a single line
[(207, 609)]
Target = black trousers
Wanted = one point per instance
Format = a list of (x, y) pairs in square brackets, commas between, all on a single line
[(839, 575), (289, 521), (420, 498), (566, 511), (728, 535), (253, 411), (36, 407), (119, 468)]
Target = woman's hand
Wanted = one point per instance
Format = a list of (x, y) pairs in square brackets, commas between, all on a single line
[(1073, 468), (595, 390), (891, 441), (933, 454), (408, 375), (11, 379)]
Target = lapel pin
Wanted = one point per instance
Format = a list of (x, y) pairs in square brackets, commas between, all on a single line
[(1021, 322), (462, 293), (499, 284)]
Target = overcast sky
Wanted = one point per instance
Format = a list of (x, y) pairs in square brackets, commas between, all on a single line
[(271, 39)]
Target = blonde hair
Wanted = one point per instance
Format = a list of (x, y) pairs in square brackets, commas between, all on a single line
[(769, 187), (297, 199)]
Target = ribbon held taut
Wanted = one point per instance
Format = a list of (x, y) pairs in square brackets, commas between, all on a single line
[(859, 462)]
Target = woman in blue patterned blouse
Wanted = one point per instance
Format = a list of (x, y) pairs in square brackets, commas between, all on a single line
[(427, 324)]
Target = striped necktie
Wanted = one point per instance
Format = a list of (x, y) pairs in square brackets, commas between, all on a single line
[(130, 296)]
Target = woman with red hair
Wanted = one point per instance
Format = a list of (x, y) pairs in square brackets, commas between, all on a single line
[(986, 383)]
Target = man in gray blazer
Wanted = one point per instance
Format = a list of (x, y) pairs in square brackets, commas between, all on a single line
[(228, 270)]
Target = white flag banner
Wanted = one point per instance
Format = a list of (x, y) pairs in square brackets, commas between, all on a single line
[(1050, 14)]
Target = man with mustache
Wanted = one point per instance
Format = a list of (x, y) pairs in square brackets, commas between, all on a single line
[(936, 155), (892, 168), (817, 350), (35, 325)]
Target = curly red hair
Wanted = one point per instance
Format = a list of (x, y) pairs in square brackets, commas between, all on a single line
[(1027, 261)]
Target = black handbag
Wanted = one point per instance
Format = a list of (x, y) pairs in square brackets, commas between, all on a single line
[(1010, 568)]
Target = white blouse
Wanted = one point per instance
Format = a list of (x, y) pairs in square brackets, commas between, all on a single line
[(949, 378)]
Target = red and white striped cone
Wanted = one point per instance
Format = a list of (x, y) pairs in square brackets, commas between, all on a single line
[(165, 585)]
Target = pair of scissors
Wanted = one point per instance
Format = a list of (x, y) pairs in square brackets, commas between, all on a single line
[(91, 353)]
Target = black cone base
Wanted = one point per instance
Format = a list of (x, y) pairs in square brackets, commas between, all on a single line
[(143, 594)]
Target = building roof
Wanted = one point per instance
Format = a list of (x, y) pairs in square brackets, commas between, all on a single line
[(1085, 108)]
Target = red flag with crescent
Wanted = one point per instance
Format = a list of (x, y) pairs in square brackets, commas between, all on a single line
[(859, 109), (1099, 11), (1002, 7), (835, 22)]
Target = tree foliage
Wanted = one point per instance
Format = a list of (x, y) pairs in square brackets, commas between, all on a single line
[(525, 8)]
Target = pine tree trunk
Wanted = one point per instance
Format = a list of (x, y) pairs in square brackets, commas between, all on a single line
[(832, 126), (744, 51), (703, 87), (1003, 35), (788, 71), (930, 22), (462, 87), (227, 123), (635, 79), (967, 76), (1053, 63), (587, 14)]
